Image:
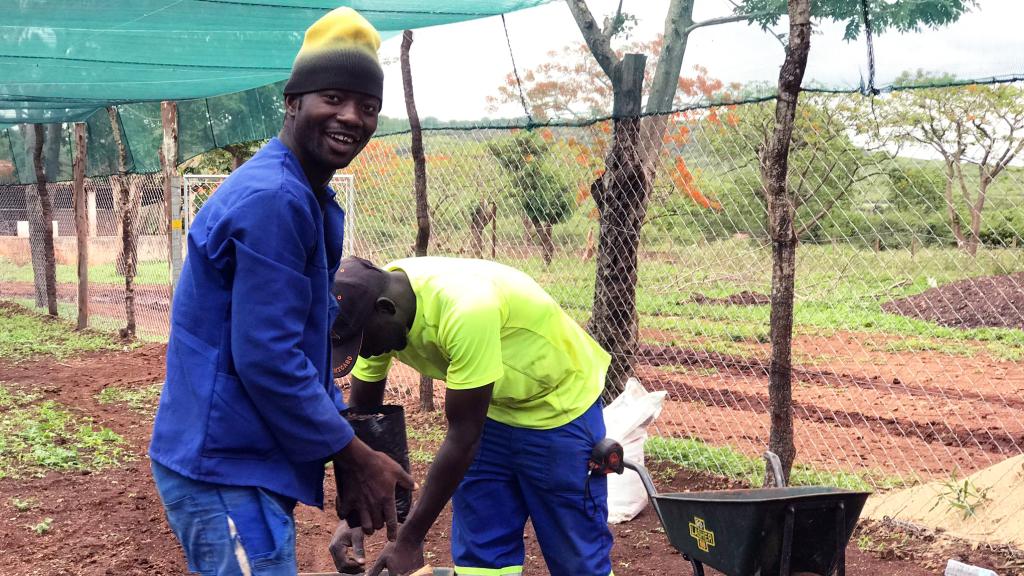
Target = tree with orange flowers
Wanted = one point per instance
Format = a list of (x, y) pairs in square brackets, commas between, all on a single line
[(542, 190)]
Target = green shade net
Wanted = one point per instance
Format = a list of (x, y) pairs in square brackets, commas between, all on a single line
[(223, 60)]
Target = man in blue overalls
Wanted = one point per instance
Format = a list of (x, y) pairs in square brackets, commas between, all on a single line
[(249, 413)]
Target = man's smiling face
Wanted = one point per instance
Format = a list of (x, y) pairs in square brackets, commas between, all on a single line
[(332, 126)]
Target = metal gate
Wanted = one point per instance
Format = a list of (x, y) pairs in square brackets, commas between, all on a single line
[(199, 187)]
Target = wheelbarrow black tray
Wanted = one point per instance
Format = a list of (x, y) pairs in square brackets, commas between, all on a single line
[(741, 532)]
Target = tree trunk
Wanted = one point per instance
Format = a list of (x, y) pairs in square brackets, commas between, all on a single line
[(35, 244), (547, 243), (974, 242), (419, 189), (127, 198), (81, 226), (418, 158), (678, 21), (34, 215), (46, 214), (954, 216), (774, 169), (237, 152), (621, 197), (481, 215), (51, 152), (494, 231)]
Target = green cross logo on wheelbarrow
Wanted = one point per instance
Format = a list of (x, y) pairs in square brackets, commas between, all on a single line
[(701, 534)]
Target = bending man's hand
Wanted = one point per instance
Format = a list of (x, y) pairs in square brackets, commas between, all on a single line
[(366, 481), (347, 549), (400, 558)]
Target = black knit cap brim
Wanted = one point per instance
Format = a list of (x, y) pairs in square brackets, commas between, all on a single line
[(351, 70)]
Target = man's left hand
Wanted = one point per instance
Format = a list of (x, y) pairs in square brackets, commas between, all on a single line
[(400, 558), (347, 549)]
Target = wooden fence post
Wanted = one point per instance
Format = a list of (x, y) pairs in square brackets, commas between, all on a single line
[(82, 225)]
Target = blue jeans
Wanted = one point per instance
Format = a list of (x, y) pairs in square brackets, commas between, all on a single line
[(541, 475), (229, 530)]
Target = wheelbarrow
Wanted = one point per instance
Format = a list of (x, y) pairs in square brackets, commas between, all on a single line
[(752, 532)]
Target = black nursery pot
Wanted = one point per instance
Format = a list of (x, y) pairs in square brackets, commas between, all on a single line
[(383, 429)]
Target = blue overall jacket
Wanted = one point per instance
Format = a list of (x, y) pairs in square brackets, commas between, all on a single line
[(249, 397)]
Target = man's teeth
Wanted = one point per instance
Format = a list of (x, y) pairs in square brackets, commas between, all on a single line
[(342, 138)]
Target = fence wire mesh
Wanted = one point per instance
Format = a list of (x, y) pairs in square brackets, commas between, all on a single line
[(909, 299), (133, 202)]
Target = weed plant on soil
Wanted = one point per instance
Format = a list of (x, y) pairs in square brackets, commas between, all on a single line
[(142, 400), (37, 436)]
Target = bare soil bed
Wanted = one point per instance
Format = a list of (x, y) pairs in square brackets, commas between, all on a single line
[(921, 415), (111, 522), (995, 301)]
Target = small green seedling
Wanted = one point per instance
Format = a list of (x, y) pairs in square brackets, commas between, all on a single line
[(43, 527), (23, 504), (961, 495)]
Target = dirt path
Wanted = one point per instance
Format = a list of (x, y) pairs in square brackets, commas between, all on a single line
[(152, 303)]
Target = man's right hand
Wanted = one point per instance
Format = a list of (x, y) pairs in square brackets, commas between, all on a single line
[(366, 481)]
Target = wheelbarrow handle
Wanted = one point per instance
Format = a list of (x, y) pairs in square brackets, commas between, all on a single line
[(645, 476), (607, 457), (652, 492)]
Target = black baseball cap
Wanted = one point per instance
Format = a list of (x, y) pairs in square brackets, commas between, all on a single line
[(357, 285)]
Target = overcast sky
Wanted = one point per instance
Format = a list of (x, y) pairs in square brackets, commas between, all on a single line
[(456, 67)]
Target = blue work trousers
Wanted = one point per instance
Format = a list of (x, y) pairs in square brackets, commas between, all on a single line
[(541, 475), (229, 530)]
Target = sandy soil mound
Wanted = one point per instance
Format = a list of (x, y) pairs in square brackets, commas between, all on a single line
[(987, 506)]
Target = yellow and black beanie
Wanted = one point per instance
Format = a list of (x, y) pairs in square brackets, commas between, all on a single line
[(339, 52)]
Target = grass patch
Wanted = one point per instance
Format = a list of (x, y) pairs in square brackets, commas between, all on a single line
[(725, 461), (36, 437), (26, 334), (143, 400), (919, 344), (97, 323), (1001, 351), (147, 273), (429, 434), (421, 456), (838, 288), (725, 348)]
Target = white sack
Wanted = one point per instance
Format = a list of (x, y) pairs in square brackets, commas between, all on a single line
[(626, 420)]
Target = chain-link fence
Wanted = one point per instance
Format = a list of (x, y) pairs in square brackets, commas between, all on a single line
[(909, 281), (120, 209), (909, 298), (197, 188)]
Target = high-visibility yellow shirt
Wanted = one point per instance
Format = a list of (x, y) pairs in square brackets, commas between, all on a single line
[(479, 322)]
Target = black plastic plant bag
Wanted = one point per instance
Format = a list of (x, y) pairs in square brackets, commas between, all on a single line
[(383, 429)]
